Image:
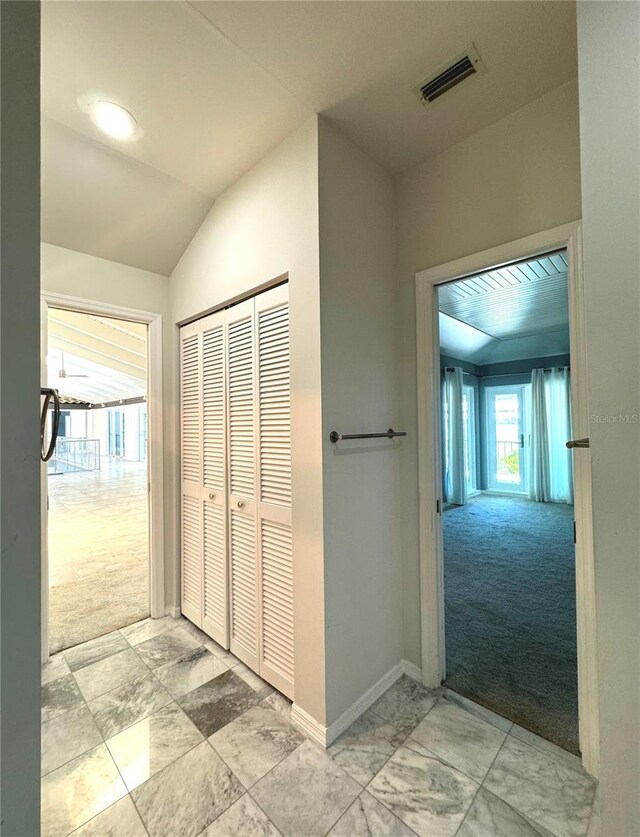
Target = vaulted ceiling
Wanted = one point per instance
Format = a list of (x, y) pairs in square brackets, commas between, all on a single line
[(216, 85), (94, 359)]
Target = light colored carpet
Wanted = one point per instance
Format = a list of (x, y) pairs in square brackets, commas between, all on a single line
[(86, 609), (98, 552), (510, 612)]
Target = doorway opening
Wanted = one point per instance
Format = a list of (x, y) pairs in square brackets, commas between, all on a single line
[(97, 480), (507, 522), (431, 475)]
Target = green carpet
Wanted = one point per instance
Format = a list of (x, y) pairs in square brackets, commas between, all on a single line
[(510, 612)]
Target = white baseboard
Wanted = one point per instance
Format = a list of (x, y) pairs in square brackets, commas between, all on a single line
[(360, 706), (309, 726), (325, 736)]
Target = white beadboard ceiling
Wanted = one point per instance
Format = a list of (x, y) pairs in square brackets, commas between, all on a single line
[(216, 85), (101, 359), (515, 312)]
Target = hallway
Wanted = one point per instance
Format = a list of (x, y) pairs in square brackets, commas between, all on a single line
[(156, 730), (98, 551)]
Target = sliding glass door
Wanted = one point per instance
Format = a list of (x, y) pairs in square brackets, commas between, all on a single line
[(506, 408)]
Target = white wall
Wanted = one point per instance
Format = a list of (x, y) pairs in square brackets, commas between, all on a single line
[(142, 217), (264, 226), (609, 72), (77, 274), (516, 177), (19, 426), (318, 209), (133, 414), (78, 424), (87, 277), (97, 429), (362, 547)]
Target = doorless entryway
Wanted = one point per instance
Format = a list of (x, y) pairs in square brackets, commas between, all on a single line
[(97, 477), (508, 551), (102, 524), (508, 469)]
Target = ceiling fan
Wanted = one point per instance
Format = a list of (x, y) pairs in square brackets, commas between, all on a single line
[(63, 372)]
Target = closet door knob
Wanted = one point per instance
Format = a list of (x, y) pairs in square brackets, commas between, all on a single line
[(240, 504), (212, 495)]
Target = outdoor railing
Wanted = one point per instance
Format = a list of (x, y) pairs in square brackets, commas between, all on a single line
[(508, 461), (72, 455)]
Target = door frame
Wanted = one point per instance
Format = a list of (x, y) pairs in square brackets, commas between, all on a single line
[(155, 443), (568, 236)]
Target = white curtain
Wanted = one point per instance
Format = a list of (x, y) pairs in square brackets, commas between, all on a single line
[(551, 472), (455, 484)]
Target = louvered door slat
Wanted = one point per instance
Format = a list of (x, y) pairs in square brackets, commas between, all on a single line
[(274, 405), (190, 409), (191, 473), (215, 573), (241, 407), (277, 599), (214, 419), (243, 584), (203, 454), (243, 565), (191, 559), (274, 459)]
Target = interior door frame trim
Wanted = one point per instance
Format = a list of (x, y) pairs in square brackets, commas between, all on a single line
[(568, 236), (155, 445)]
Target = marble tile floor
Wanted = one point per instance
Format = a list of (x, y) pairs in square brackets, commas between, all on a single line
[(156, 731)]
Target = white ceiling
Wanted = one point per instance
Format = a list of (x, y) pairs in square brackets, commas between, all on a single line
[(216, 85), (356, 62), (101, 359), (96, 200), (516, 312), (207, 111)]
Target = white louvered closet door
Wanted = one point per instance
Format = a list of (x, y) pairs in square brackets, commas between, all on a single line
[(273, 436), (241, 425), (237, 567), (191, 476), (214, 489)]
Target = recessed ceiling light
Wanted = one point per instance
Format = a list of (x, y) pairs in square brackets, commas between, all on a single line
[(114, 120), (110, 118)]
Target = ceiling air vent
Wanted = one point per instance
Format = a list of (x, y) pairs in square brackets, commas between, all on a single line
[(467, 64)]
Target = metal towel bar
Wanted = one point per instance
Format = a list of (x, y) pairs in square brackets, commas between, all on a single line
[(334, 436)]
